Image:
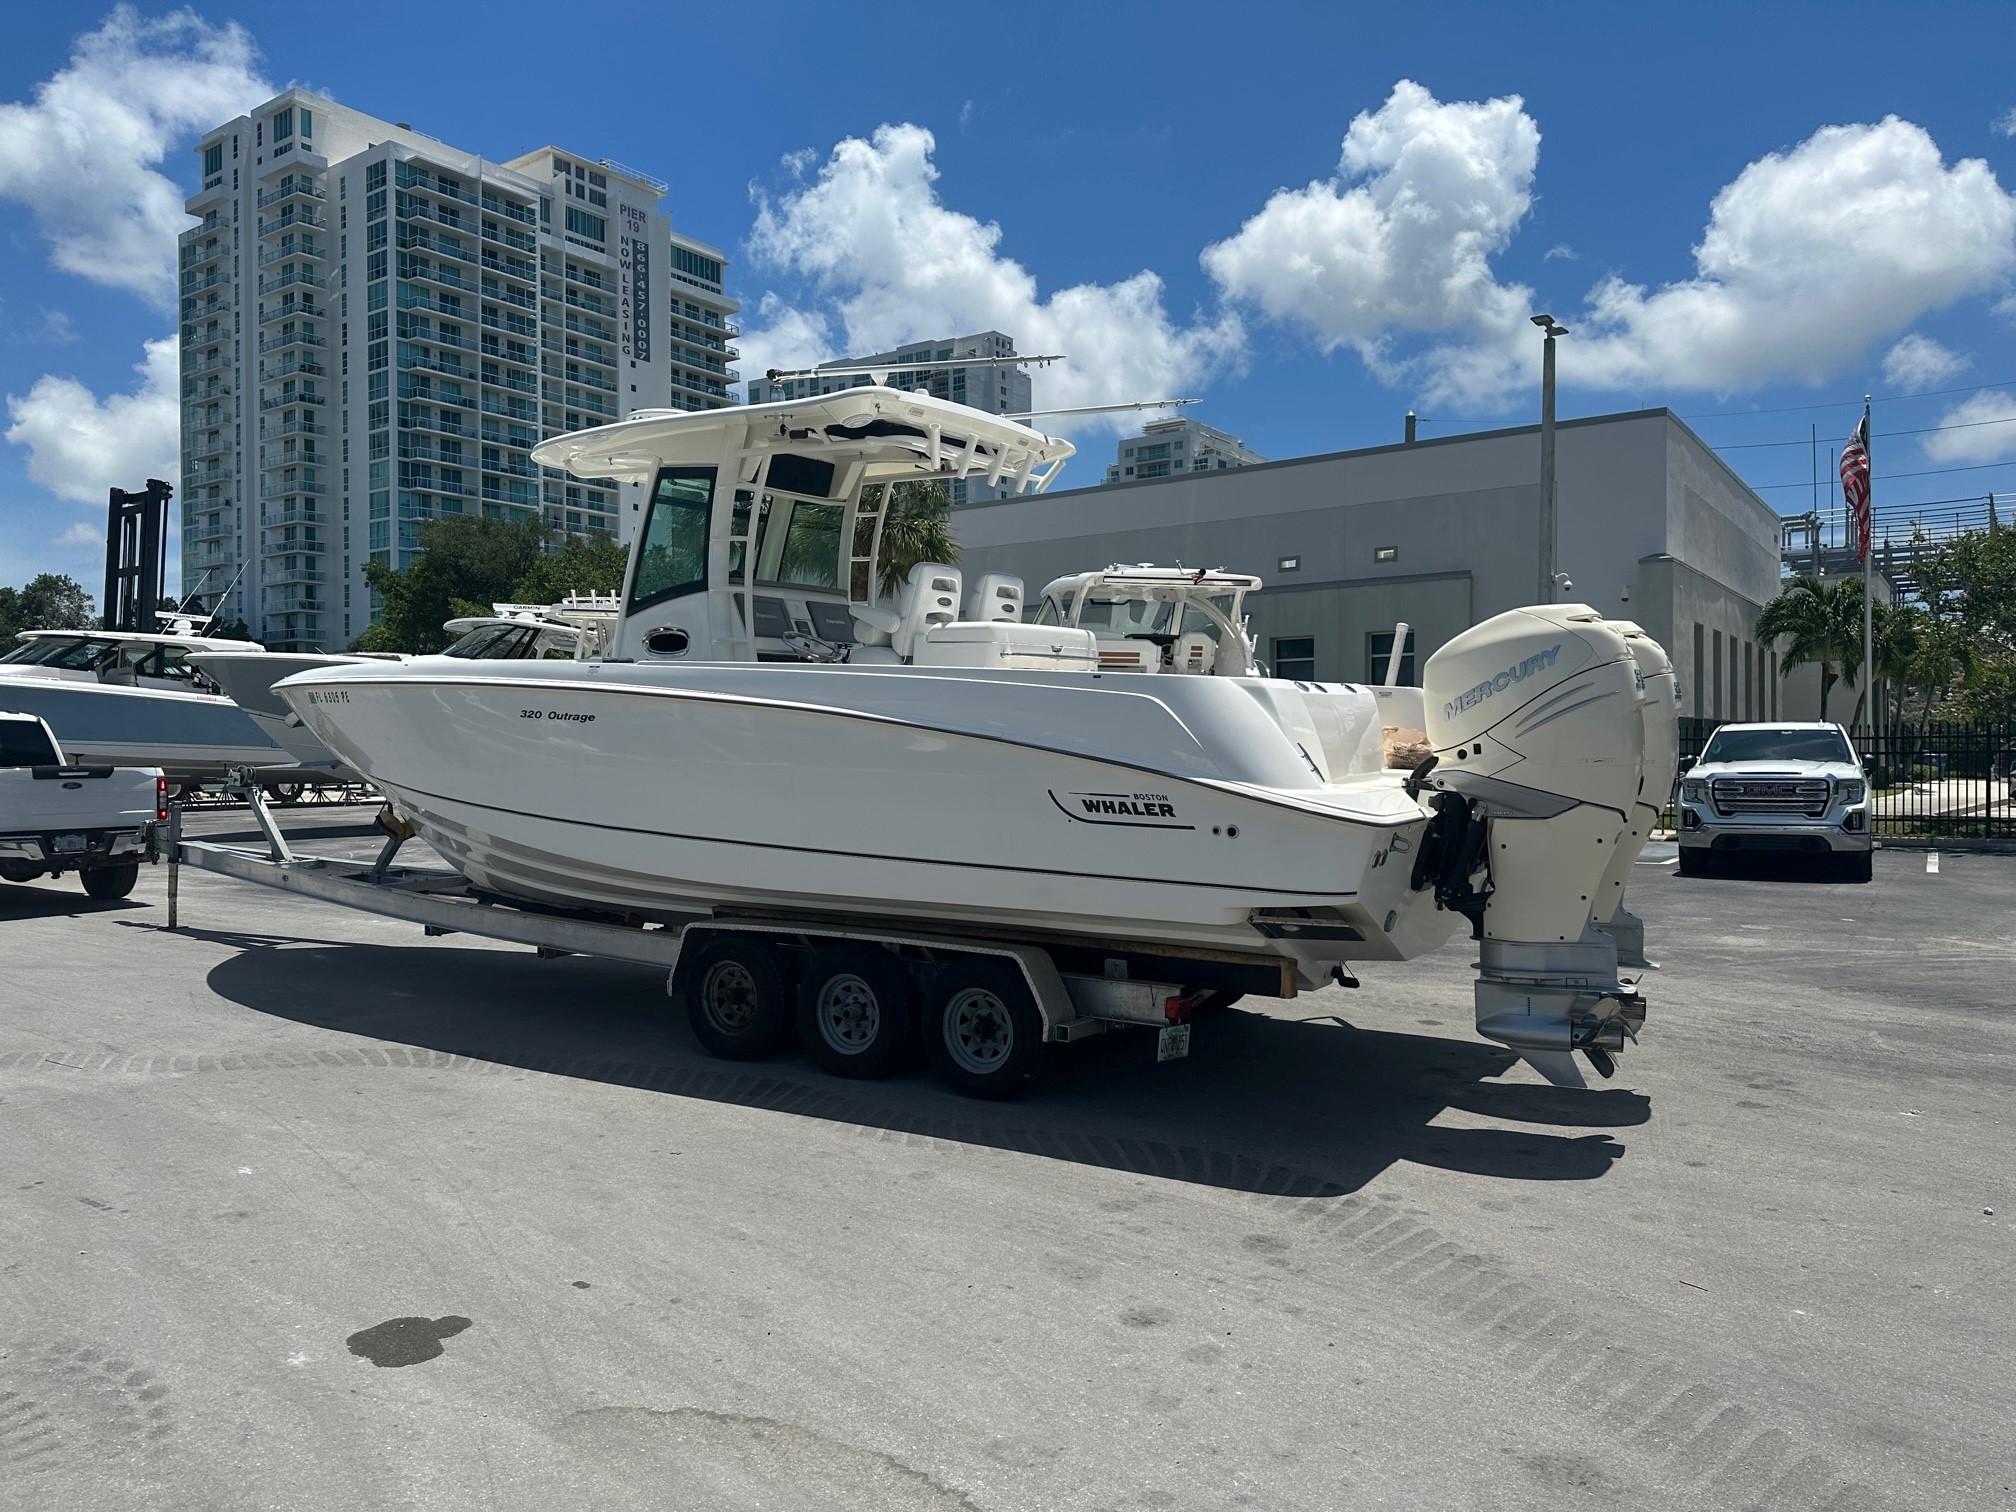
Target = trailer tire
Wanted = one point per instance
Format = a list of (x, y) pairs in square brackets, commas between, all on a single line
[(857, 1012), (737, 996), (985, 1034), (19, 871), (287, 794), (109, 883)]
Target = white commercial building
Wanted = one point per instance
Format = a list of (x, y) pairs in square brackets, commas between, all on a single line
[(1167, 447), (376, 328)]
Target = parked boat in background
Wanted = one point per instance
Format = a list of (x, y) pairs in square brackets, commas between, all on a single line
[(123, 698)]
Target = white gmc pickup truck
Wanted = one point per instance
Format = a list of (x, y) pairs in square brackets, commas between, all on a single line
[(1794, 789), (95, 820)]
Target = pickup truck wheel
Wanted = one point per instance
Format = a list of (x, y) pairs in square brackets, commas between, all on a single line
[(856, 1011), (985, 1034), (107, 883), (19, 871), (737, 995), (1856, 867), (1692, 862)]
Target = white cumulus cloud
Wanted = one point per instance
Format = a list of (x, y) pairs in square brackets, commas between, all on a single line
[(1400, 239), (1809, 257), (82, 154), (1984, 430), (1919, 362), (2005, 123), (80, 445), (884, 261)]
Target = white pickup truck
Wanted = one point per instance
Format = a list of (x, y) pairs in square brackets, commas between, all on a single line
[(95, 820), (1796, 789)]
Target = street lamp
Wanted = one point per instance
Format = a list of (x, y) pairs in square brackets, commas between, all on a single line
[(1548, 576)]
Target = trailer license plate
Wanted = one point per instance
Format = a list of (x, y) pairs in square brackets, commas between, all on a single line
[(1173, 1043), (69, 845)]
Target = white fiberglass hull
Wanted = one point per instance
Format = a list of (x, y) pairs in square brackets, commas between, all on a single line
[(893, 793), (248, 679), (190, 736)]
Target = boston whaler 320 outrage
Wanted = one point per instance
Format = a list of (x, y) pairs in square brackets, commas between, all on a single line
[(770, 739)]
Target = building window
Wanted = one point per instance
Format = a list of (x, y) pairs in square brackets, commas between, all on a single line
[(581, 223), (1289, 564), (1385, 553), (1295, 657), (213, 159), (1379, 651), (283, 125)]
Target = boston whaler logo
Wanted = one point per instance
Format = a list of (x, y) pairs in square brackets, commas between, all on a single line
[(1539, 661), (1138, 810)]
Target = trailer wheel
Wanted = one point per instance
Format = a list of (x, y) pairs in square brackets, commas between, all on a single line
[(737, 996), (985, 1033), (856, 1011), (19, 871), (286, 794), (107, 883)]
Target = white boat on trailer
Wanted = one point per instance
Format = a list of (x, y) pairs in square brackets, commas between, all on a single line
[(772, 743)]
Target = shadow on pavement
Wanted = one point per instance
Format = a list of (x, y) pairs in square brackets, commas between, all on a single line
[(56, 898), (1263, 1104)]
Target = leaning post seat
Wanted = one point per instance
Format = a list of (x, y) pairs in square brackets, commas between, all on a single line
[(929, 596), (996, 596), (1011, 647)]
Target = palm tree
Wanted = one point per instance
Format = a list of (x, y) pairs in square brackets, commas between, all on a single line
[(1820, 619), (917, 528), (1894, 638)]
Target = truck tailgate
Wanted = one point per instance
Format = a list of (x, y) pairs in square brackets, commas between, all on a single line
[(37, 800)]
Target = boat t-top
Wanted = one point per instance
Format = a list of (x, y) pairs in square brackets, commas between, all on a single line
[(773, 730), (128, 698)]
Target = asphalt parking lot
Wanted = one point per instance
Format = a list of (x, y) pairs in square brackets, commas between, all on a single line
[(302, 1210)]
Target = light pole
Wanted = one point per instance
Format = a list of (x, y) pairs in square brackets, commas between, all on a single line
[(1548, 576)]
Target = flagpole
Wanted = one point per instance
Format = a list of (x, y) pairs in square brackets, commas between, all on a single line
[(1868, 573)]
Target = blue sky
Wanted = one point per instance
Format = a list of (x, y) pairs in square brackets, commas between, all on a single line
[(1310, 217)]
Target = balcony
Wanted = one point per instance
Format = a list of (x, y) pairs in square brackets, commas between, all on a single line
[(288, 366), (439, 246), (296, 516), (511, 267), (411, 388), (279, 576), (197, 477), (193, 309), (271, 255), (294, 601), (406, 176), (294, 278), (513, 409), (448, 277), (525, 215), (194, 285), (594, 406), (581, 376), (518, 383), (294, 215), (511, 493), (516, 297), (216, 446), (516, 467), (199, 533), (292, 188), (292, 490), (204, 365), (498, 436), (194, 255), (282, 401), (420, 451), (292, 428), (577, 349), (510, 351), (409, 298), (294, 307), (410, 362), (591, 304), (423, 480), (284, 339), (517, 240), (517, 325), (414, 331)]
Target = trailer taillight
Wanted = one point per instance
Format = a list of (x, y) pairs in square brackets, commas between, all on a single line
[(160, 800)]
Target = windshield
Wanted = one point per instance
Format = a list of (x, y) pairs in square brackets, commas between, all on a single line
[(493, 642), (1127, 617), (51, 651), (1777, 745)]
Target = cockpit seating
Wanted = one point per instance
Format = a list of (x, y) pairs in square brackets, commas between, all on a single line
[(929, 596), (995, 596)]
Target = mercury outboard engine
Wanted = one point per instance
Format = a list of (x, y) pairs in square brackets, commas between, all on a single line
[(1659, 712), (1540, 766)]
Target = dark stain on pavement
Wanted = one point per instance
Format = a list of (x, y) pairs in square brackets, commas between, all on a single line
[(404, 1341)]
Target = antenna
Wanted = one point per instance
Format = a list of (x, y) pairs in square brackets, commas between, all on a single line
[(1102, 409), (879, 372)]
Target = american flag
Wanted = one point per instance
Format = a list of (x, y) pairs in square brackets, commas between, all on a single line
[(1855, 483)]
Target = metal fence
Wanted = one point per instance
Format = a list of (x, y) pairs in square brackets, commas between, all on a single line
[(1939, 782)]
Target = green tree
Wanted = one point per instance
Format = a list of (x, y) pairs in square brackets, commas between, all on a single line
[(1820, 621), (918, 529), (49, 601), (591, 563), (464, 561)]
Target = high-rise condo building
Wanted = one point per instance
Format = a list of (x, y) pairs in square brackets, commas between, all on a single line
[(376, 328), (1167, 447)]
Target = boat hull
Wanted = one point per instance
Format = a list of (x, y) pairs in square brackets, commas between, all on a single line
[(192, 737), (247, 680), (723, 786)]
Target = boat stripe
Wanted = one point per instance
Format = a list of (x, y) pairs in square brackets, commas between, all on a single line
[(852, 855)]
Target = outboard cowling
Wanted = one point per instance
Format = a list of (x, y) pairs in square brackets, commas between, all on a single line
[(1534, 720)]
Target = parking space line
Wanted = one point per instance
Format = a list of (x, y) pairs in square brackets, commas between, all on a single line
[(1931, 863)]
